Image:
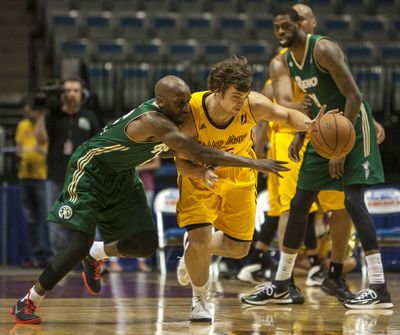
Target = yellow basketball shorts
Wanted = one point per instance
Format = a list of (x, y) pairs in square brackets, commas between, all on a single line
[(287, 185), (229, 206), (331, 200)]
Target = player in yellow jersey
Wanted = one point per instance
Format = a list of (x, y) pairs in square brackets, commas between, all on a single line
[(224, 198)]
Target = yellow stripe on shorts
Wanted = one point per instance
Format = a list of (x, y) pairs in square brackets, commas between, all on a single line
[(366, 131), (83, 161)]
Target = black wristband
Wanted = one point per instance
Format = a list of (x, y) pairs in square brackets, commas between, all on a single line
[(302, 134)]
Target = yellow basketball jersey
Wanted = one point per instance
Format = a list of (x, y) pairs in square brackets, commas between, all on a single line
[(298, 95), (230, 205), (235, 137)]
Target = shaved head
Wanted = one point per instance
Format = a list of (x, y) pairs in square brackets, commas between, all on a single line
[(307, 17), (170, 85), (304, 11), (172, 97)]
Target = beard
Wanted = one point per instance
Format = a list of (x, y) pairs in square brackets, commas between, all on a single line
[(286, 44)]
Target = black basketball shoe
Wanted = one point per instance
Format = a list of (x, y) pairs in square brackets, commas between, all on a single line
[(297, 297), (370, 299), (24, 312), (275, 293), (91, 274), (337, 288)]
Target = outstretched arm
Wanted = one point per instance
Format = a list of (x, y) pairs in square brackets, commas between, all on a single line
[(263, 109), (162, 129)]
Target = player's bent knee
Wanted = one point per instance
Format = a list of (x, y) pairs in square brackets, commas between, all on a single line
[(238, 250), (238, 254), (79, 252)]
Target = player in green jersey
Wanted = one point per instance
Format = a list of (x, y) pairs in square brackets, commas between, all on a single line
[(102, 187), (321, 71)]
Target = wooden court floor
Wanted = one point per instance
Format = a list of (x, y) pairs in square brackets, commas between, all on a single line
[(137, 303)]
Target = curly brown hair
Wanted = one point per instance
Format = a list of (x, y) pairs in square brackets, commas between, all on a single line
[(233, 71)]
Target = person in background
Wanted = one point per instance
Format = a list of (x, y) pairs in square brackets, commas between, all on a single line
[(32, 174), (64, 127)]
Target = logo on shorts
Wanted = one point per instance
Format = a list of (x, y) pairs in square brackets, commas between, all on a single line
[(366, 169), (65, 212)]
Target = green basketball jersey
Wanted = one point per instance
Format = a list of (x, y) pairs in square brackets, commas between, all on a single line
[(114, 151), (316, 82), (102, 187), (363, 164)]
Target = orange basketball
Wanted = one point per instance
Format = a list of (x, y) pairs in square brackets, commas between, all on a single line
[(334, 137)]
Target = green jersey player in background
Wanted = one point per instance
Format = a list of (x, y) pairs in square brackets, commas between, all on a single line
[(320, 69)]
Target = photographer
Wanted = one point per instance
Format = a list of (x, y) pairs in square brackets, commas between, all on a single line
[(65, 126)]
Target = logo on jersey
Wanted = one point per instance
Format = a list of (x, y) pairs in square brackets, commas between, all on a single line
[(231, 140), (366, 169), (159, 148), (84, 123), (306, 83), (203, 126), (65, 212), (243, 119)]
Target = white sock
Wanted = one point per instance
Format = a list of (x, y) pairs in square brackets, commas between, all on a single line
[(375, 269), (285, 267), (97, 251), (199, 290), (35, 297)]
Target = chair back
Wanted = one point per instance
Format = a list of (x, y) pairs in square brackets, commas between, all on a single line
[(262, 207), (383, 200), (165, 201)]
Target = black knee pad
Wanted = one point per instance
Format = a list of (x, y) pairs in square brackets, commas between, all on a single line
[(140, 245), (310, 240), (297, 223), (355, 205)]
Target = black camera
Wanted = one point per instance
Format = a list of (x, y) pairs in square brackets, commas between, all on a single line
[(49, 96)]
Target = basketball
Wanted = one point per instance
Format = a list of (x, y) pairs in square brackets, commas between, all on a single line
[(334, 136)]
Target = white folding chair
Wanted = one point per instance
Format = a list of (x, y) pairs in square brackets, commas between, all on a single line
[(262, 207), (165, 203)]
